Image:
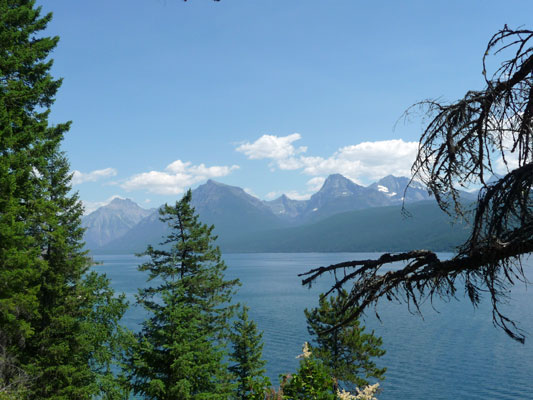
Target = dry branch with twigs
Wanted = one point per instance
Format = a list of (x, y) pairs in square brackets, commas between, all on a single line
[(462, 144)]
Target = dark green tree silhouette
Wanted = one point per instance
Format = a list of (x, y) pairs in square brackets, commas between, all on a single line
[(26, 90), (76, 332), (247, 358), (44, 305), (346, 350), (181, 348)]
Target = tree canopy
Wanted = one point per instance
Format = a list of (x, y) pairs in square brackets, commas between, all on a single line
[(49, 305), (180, 350), (467, 142), (247, 364), (347, 351)]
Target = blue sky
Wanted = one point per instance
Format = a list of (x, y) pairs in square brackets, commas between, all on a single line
[(268, 95)]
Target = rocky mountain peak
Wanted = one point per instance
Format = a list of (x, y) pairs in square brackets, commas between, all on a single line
[(112, 221), (211, 182), (395, 188), (337, 179), (338, 185), (119, 202)]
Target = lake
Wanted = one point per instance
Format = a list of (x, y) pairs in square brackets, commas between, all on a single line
[(454, 352)]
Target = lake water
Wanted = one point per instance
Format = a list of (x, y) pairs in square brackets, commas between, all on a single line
[(453, 353)]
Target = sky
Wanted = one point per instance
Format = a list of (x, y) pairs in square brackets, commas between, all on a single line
[(268, 95)]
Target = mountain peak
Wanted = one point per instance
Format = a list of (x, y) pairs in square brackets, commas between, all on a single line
[(338, 182), (213, 191), (210, 183), (112, 221), (401, 188), (337, 177), (390, 176), (119, 202)]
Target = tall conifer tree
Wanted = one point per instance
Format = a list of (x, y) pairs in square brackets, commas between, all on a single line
[(26, 92), (180, 351), (47, 304)]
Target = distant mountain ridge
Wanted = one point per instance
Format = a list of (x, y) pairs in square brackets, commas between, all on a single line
[(376, 229), (239, 217), (112, 221), (399, 189), (215, 201)]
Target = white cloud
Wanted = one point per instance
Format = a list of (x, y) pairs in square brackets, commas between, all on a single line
[(250, 192), (272, 147), (295, 195), (363, 163), (501, 166), (176, 178), (91, 206), (81, 177), (314, 184), (272, 195)]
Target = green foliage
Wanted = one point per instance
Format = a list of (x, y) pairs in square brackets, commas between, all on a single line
[(25, 87), (346, 351), (46, 316), (103, 337), (248, 364), (15, 394), (179, 353), (312, 381)]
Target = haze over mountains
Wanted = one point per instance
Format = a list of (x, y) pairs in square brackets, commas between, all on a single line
[(341, 216), (112, 221)]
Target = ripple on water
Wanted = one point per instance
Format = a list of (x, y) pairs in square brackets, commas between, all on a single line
[(455, 353)]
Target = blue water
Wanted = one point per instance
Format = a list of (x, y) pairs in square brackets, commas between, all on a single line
[(452, 353)]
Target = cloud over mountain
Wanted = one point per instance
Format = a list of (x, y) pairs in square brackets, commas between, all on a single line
[(90, 206), (361, 163), (176, 177)]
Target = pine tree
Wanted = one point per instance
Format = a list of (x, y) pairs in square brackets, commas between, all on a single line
[(46, 299), (180, 350), (347, 351), (26, 88), (247, 356), (104, 339)]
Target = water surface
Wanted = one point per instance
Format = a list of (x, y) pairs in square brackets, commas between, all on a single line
[(452, 353)]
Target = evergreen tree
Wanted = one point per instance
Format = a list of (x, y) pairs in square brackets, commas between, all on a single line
[(180, 350), (26, 90), (247, 356), (46, 300), (56, 352), (104, 339), (346, 350)]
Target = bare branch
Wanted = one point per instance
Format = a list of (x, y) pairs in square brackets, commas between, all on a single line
[(461, 145)]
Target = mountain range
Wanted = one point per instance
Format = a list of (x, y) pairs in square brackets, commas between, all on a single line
[(341, 216)]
